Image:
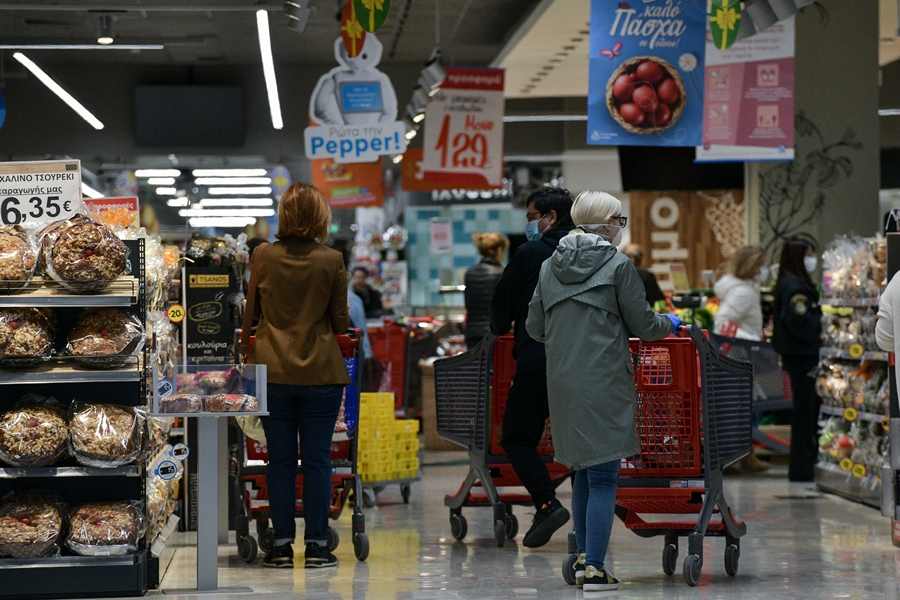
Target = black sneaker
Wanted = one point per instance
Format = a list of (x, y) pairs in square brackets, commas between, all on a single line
[(280, 557), (547, 520), (318, 557), (579, 570), (596, 580)]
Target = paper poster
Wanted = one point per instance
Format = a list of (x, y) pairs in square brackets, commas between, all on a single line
[(750, 97), (349, 185), (414, 177), (645, 72), (395, 283), (441, 235), (464, 127)]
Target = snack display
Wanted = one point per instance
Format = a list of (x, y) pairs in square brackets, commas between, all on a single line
[(111, 333), (180, 403), (232, 403), (33, 435), (849, 384), (849, 443), (25, 333), (30, 525), (105, 528), (854, 267), (82, 255), (105, 435), (645, 95), (18, 258), (205, 382), (844, 326)]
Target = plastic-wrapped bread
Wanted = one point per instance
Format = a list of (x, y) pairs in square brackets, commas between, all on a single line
[(82, 255), (180, 403), (25, 333), (106, 337), (30, 525), (33, 435), (106, 528), (105, 435), (232, 403), (18, 258)]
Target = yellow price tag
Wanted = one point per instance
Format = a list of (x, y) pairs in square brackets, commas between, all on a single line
[(846, 464), (859, 470), (176, 313), (850, 414), (886, 423), (856, 351)]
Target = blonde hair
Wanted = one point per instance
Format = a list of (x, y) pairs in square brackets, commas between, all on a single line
[(592, 207), (491, 244), (303, 211), (744, 260)]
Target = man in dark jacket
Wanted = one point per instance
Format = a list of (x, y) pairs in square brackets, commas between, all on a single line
[(651, 287), (526, 407)]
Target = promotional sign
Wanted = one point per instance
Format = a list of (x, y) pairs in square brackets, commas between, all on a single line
[(464, 126), (441, 235), (724, 22), (349, 185), (371, 14), (395, 283), (114, 212), (644, 88), (281, 179), (414, 178), (750, 98), (210, 332), (39, 191)]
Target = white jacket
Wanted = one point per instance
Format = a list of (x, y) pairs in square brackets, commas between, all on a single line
[(887, 329), (739, 302)]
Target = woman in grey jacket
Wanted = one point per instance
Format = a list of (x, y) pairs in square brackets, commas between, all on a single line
[(588, 299)]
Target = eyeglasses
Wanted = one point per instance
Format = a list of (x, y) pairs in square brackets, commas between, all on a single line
[(623, 221), (534, 216)]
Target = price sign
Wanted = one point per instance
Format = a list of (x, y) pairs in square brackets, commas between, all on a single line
[(464, 125), (856, 351), (859, 470), (167, 470), (180, 451), (851, 414), (176, 313), (846, 464), (39, 191)]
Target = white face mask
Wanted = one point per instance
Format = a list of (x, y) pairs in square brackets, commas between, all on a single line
[(810, 262), (593, 228), (763, 275)]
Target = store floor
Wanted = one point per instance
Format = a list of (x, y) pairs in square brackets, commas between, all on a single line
[(800, 544)]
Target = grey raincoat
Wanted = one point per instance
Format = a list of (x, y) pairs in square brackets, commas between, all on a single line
[(589, 298)]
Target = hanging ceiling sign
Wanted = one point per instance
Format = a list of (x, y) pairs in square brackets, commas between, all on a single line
[(371, 14), (39, 191), (353, 36), (724, 21), (281, 180)]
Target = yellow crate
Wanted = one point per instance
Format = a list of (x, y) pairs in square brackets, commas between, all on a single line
[(406, 426), (385, 445), (365, 466)]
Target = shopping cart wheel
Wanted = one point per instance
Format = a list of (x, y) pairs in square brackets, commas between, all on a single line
[(361, 546), (692, 565), (500, 532), (512, 526), (670, 559), (247, 549), (458, 526), (404, 491), (332, 539), (732, 555), (266, 539), (568, 568)]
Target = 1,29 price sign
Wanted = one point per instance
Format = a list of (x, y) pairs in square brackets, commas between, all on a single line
[(39, 192)]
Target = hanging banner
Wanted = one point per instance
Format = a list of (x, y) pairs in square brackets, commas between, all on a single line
[(371, 14), (121, 212), (645, 88), (750, 98), (724, 22), (464, 126), (39, 191), (349, 185), (414, 178)]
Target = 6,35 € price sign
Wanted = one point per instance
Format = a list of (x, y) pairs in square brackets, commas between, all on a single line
[(40, 191)]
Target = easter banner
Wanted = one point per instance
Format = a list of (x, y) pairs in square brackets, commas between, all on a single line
[(646, 72)]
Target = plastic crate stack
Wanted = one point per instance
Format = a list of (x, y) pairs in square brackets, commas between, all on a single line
[(388, 448), (406, 448)]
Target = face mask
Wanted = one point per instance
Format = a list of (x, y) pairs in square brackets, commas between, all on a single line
[(763, 275), (810, 262), (594, 227), (531, 231)]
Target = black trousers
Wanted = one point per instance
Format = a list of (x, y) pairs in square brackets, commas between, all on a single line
[(804, 426), (523, 426)]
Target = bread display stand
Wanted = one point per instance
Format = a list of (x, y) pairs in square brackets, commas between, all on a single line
[(206, 384), (68, 576)]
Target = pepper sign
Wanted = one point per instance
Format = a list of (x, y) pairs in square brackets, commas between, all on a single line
[(725, 20)]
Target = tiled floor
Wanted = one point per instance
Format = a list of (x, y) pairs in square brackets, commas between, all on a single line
[(800, 544)]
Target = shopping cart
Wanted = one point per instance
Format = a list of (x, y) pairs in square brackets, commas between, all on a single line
[(690, 424), (469, 417), (249, 461), (390, 346)]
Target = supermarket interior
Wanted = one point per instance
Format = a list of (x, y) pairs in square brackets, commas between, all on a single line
[(556, 271)]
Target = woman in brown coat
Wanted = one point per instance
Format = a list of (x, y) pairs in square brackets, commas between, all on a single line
[(300, 303)]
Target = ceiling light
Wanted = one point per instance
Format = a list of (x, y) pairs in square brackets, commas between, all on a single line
[(157, 173), (57, 89), (396, 160), (233, 181), (221, 221), (224, 191), (81, 47), (433, 75), (90, 192), (237, 202), (166, 191), (161, 181), (229, 172), (889, 112), (265, 50), (297, 14), (420, 99), (226, 212), (105, 33), (180, 201), (411, 134), (412, 115)]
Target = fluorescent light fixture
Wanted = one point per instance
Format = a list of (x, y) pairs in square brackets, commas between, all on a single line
[(81, 47), (222, 191), (166, 191), (176, 202), (57, 89), (157, 173), (161, 181), (889, 112), (90, 192), (233, 181), (396, 160), (221, 221), (265, 49), (229, 172), (226, 212), (237, 202), (542, 118), (105, 34)]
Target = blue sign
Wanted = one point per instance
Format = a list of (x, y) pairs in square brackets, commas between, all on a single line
[(361, 97), (164, 388), (646, 72), (167, 470), (180, 451)]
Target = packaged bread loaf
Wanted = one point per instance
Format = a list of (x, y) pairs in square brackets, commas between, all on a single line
[(180, 403), (30, 525), (106, 528), (82, 255), (18, 258), (105, 435), (34, 433), (232, 403), (105, 337), (26, 334)]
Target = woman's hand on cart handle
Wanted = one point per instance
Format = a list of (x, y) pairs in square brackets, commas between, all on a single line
[(676, 322)]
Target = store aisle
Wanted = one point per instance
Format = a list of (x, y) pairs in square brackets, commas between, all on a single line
[(800, 544)]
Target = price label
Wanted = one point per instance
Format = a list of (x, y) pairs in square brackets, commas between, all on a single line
[(851, 414), (164, 388), (176, 313), (886, 423), (858, 470), (39, 191), (180, 451), (167, 470), (846, 464), (856, 351)]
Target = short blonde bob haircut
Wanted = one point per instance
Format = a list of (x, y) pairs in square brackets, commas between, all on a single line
[(745, 260), (490, 244), (594, 208), (303, 211)]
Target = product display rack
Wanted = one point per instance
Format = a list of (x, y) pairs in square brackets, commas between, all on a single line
[(80, 576)]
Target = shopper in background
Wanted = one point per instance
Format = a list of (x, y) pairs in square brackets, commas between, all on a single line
[(370, 296), (651, 287), (798, 327), (480, 281), (887, 329), (740, 316), (300, 301), (547, 210), (589, 300)]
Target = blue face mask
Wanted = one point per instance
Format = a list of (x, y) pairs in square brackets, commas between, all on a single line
[(531, 231)]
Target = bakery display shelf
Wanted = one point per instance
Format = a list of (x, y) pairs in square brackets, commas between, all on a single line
[(865, 416), (831, 478), (845, 354), (79, 471), (74, 576), (123, 291), (51, 371), (849, 301)]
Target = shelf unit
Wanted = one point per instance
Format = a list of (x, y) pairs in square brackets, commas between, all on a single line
[(80, 576), (849, 301), (845, 354)]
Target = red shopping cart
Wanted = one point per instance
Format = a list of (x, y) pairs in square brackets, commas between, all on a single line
[(471, 390), (251, 492), (390, 346)]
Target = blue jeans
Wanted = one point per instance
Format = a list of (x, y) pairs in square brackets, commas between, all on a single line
[(311, 411), (593, 510)]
